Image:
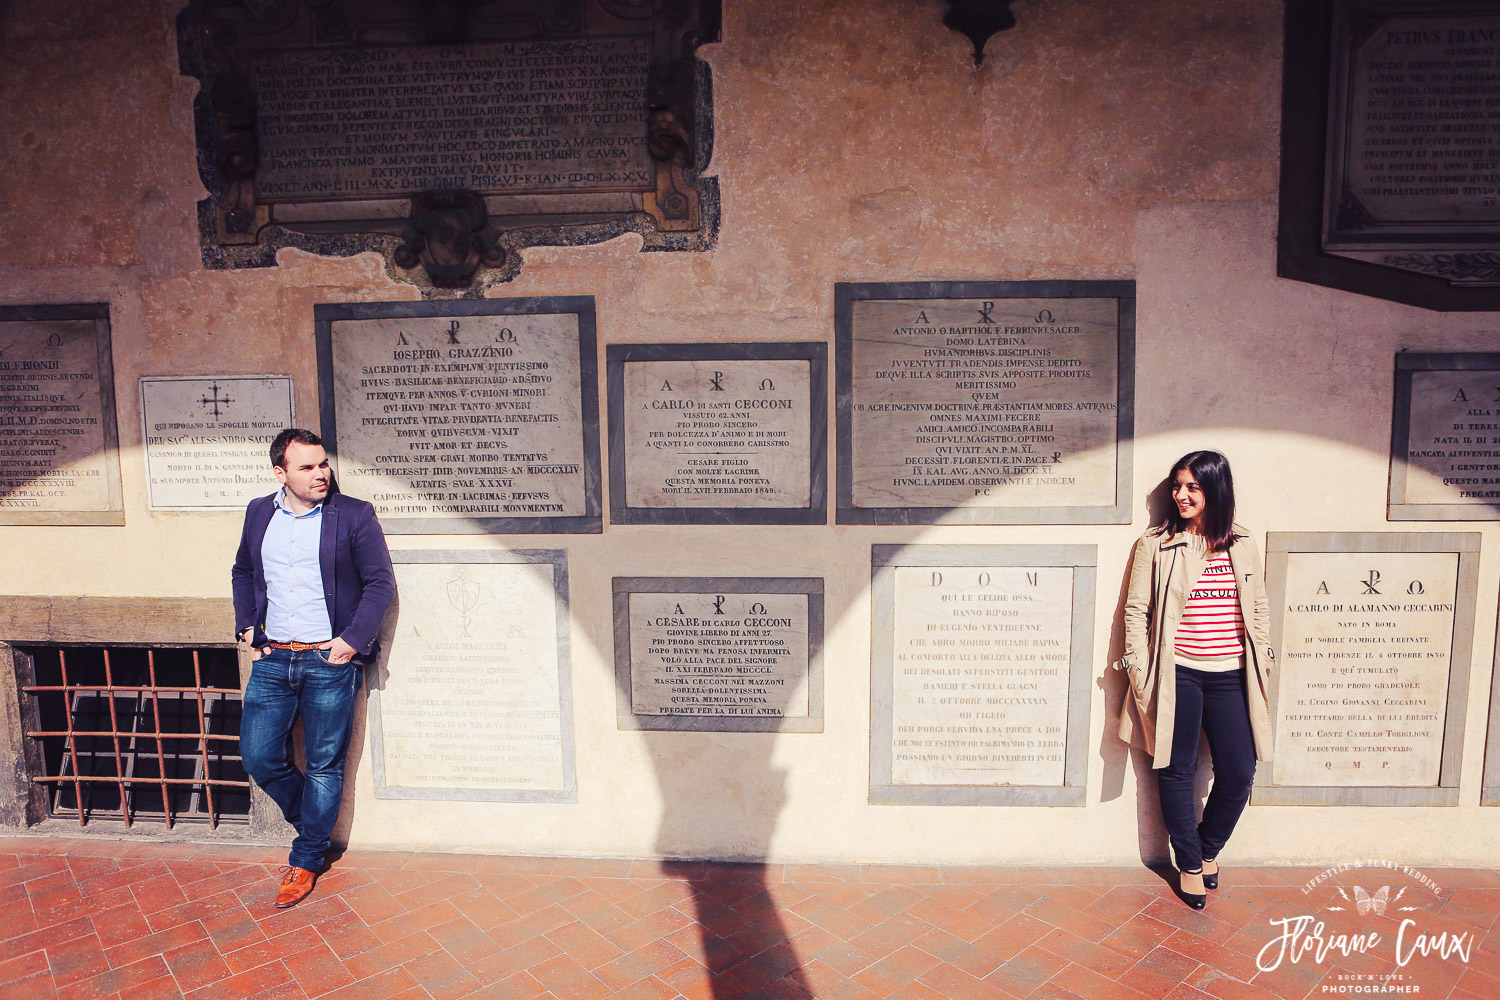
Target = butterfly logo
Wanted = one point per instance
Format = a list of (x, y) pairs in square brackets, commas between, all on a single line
[(1364, 902)]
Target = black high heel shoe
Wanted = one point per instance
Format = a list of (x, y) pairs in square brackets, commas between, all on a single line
[(1210, 873), (1192, 880)]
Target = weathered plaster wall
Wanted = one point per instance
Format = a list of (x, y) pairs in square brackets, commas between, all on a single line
[(855, 142)]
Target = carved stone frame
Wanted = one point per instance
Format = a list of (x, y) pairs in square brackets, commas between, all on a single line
[(678, 211), (848, 293), (1398, 508), (1279, 546), (98, 314), (626, 718), (1083, 560), (1305, 114), (815, 354), (326, 315), (557, 559)]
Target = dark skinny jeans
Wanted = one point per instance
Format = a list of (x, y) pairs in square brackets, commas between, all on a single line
[(1214, 703)]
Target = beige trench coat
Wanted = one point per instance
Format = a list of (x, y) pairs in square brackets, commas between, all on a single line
[(1161, 576)]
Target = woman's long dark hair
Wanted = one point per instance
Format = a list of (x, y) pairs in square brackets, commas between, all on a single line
[(1212, 472)]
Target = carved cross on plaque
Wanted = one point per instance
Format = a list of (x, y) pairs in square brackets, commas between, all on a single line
[(215, 401)]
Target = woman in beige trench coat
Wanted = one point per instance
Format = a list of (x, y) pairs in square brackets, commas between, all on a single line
[(1199, 658)]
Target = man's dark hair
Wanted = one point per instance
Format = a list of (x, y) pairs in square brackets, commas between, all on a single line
[(286, 437)]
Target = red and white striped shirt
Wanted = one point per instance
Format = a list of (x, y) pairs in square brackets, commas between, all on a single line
[(1212, 627)]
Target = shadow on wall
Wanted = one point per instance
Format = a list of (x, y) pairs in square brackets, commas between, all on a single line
[(374, 679), (1115, 756)]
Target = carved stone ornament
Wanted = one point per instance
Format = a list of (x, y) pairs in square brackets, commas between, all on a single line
[(1475, 268), (449, 237), (450, 135), (977, 20)]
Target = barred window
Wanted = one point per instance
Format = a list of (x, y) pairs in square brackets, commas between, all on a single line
[(138, 732)]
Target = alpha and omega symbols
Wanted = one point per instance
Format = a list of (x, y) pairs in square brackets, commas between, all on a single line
[(987, 307), (716, 384), (503, 336), (756, 608), (1372, 584)]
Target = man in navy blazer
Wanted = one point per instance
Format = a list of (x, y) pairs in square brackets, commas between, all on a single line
[(312, 581)]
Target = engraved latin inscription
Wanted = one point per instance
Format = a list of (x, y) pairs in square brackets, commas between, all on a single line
[(980, 675), (1423, 126), (1366, 649), (721, 655), (380, 122), (458, 417), (1453, 441), (717, 433), (52, 421), (207, 439), (471, 700), (980, 403)]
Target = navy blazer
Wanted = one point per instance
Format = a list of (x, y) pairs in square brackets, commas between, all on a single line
[(358, 583)]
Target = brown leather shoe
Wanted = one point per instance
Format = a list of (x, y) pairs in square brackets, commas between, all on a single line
[(295, 886)]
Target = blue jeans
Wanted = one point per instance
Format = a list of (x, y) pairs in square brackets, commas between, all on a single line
[(285, 685), (1213, 703)]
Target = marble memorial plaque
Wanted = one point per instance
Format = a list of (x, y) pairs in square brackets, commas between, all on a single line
[(450, 138), (722, 433), (986, 677), (1412, 143), (725, 655), (555, 115), (208, 438), (1415, 142), (465, 417), (476, 702), (59, 449), (988, 403), (1388, 182), (981, 679), (689, 451), (1367, 664), (1372, 645), (1445, 451)]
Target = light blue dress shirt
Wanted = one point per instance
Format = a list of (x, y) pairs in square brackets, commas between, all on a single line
[(295, 606)]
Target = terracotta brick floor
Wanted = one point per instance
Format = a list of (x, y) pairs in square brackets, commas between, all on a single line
[(136, 920)]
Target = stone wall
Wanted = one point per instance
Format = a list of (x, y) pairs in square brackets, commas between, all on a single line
[(855, 142)]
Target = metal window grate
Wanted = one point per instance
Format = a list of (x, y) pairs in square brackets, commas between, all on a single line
[(142, 732)]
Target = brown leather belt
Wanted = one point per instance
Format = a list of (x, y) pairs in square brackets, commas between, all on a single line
[(296, 646)]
